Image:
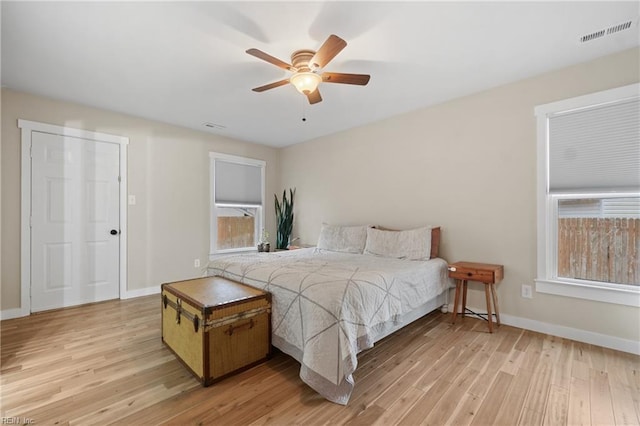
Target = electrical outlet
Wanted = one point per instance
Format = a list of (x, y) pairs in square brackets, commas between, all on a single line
[(196, 263), (527, 292)]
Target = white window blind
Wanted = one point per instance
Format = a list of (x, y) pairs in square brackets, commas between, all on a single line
[(619, 207), (237, 183), (595, 148)]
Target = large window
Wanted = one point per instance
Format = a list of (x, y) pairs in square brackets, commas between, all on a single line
[(589, 197), (237, 202)]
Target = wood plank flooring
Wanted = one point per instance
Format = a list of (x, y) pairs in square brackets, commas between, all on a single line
[(105, 364)]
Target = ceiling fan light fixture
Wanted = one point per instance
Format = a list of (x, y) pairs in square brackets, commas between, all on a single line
[(305, 82), (305, 65)]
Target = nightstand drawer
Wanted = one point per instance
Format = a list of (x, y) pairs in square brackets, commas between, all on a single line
[(470, 271)]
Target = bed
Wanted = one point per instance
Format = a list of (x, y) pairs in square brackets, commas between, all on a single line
[(329, 305)]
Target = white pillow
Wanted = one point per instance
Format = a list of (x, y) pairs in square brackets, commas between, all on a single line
[(414, 244), (346, 239)]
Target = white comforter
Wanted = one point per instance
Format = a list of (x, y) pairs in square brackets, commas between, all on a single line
[(328, 306)]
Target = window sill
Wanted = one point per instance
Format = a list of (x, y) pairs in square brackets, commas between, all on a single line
[(590, 291), (232, 251)]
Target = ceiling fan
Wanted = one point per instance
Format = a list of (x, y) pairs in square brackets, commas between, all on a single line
[(306, 64)]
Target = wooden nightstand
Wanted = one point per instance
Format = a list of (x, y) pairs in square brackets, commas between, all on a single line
[(485, 273)]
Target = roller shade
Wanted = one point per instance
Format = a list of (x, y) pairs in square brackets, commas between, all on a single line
[(237, 183), (596, 148), (626, 207)]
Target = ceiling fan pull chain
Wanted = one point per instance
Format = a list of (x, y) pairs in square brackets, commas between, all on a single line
[(304, 112)]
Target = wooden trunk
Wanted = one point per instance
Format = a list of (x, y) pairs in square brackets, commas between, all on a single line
[(216, 326)]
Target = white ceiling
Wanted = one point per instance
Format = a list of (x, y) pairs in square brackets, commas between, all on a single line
[(184, 63)]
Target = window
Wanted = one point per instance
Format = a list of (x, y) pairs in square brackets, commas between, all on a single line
[(589, 197), (237, 202)]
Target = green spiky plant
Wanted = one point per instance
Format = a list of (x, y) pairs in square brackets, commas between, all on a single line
[(284, 218)]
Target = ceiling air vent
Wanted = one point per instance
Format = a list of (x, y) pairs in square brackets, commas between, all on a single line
[(214, 126), (607, 31), (592, 36), (620, 27)]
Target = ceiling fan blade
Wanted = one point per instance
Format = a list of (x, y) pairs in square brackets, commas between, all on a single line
[(272, 60), (271, 85), (338, 77), (331, 47), (314, 97)]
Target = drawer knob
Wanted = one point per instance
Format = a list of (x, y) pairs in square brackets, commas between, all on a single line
[(469, 274)]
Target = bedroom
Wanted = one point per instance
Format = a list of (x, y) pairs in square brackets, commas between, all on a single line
[(474, 153)]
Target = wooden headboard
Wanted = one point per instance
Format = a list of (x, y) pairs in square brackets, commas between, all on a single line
[(435, 242), (435, 239)]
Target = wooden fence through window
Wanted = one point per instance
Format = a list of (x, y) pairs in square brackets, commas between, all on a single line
[(599, 249), (236, 232)]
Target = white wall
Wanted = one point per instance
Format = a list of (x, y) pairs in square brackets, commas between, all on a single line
[(468, 165), (168, 172)]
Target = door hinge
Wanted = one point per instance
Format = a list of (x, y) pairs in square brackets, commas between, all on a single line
[(30, 221), (119, 179)]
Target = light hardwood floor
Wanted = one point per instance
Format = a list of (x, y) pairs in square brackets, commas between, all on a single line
[(105, 363)]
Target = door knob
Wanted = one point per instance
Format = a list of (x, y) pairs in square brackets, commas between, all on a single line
[(114, 232)]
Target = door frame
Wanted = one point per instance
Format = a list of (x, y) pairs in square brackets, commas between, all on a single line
[(27, 127)]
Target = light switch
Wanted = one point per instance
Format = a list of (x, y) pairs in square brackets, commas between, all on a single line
[(132, 200)]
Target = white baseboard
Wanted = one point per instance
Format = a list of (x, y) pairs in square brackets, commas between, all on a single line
[(18, 312), (604, 340), (147, 291), (12, 313)]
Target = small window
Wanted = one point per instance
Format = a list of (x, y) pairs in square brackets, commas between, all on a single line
[(237, 202)]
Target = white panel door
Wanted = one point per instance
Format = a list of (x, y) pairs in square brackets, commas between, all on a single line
[(74, 221)]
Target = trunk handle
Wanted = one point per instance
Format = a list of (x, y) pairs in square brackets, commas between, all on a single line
[(231, 328)]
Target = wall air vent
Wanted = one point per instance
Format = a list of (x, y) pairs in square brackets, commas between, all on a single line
[(607, 31)]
